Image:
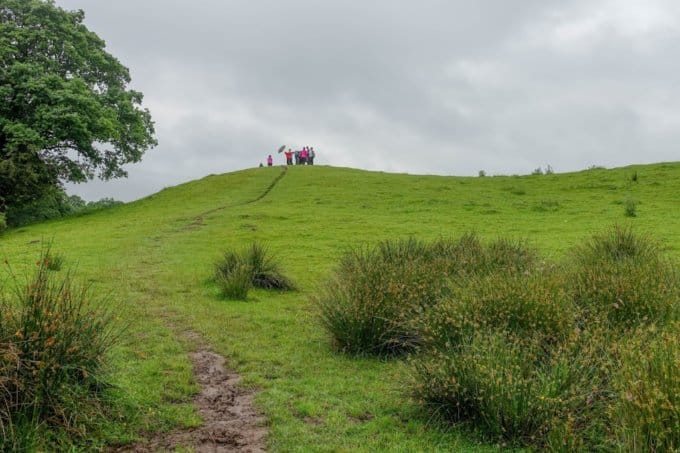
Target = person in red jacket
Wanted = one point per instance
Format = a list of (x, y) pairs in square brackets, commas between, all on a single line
[(289, 157)]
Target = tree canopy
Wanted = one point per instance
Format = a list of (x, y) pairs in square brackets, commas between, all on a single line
[(66, 113)]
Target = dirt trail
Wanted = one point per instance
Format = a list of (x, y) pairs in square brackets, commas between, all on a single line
[(230, 421), (197, 221)]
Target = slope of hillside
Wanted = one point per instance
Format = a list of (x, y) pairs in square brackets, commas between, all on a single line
[(153, 258)]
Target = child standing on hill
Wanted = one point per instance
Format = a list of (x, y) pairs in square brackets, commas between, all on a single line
[(270, 161)]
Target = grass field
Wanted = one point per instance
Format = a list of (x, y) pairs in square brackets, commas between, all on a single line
[(152, 260)]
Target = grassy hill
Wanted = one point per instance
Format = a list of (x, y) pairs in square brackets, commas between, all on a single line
[(153, 259)]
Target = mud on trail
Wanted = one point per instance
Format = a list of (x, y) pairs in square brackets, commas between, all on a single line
[(230, 421)]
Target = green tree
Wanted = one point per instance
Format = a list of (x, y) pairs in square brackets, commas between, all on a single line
[(65, 111)]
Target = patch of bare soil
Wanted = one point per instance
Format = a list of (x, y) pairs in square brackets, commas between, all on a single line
[(231, 423)]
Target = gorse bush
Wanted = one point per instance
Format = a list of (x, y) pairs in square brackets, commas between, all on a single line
[(236, 272), (53, 347)]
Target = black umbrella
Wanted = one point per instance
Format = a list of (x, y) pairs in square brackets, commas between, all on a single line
[(282, 148)]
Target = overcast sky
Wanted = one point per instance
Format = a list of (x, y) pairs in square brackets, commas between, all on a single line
[(425, 87)]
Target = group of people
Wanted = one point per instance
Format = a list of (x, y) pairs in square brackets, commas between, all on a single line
[(304, 156)]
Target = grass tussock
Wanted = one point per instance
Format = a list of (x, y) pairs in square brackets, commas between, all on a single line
[(54, 261), (375, 292), (370, 304), (582, 356), (53, 359), (237, 272), (623, 279)]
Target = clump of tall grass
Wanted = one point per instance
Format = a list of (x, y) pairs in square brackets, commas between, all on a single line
[(647, 411), (54, 261), (368, 304), (576, 357), (468, 256), (630, 208), (371, 303), (53, 357), (622, 278), (237, 271), (525, 305)]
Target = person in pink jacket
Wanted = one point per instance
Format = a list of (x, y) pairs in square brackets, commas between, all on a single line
[(270, 161)]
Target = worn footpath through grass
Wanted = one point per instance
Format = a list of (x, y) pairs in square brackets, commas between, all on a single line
[(154, 257)]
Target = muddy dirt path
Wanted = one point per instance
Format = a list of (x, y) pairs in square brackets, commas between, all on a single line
[(230, 421)]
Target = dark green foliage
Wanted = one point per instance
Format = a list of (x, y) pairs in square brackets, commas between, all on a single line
[(54, 204), (65, 114), (53, 347), (3, 222), (236, 272), (631, 208), (634, 177)]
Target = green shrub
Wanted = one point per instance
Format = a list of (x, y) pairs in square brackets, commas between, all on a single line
[(621, 278), (53, 347), (236, 272), (369, 304)]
